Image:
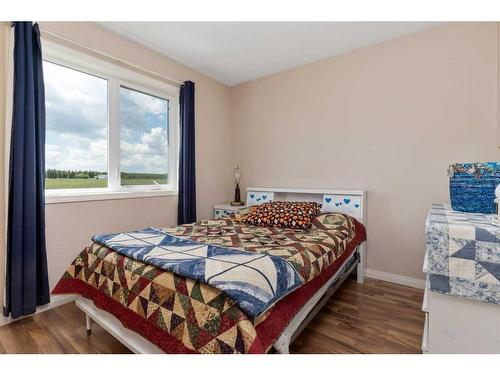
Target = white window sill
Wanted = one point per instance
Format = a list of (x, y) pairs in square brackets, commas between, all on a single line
[(54, 197)]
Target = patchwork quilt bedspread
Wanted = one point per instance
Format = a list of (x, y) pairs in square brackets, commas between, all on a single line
[(178, 297), (308, 251), (255, 281)]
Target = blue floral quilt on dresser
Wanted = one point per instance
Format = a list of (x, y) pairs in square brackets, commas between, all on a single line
[(255, 281), (463, 254)]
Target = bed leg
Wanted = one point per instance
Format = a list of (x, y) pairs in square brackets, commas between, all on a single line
[(88, 323), (361, 265)]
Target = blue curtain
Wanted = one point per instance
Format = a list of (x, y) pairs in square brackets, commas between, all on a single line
[(186, 212), (27, 283)]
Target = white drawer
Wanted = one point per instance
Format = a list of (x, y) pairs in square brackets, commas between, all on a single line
[(425, 302), (220, 213), (425, 336), (457, 325), (223, 210)]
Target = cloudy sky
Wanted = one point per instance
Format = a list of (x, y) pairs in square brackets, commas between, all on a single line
[(77, 124)]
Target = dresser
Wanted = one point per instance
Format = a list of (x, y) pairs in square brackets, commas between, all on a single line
[(462, 294), (224, 210)]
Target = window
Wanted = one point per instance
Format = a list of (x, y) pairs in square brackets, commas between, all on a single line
[(111, 132), (76, 145), (144, 138)]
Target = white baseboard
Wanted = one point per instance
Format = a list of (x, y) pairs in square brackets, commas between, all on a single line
[(54, 302), (396, 279)]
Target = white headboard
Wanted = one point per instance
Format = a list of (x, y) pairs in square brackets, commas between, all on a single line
[(351, 202)]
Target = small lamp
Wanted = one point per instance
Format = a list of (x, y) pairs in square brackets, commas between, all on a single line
[(237, 198)]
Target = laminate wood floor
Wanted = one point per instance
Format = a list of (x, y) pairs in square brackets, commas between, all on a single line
[(374, 317)]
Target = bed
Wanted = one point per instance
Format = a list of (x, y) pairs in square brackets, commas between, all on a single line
[(138, 286)]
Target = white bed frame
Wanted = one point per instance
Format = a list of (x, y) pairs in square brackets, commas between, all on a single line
[(352, 202)]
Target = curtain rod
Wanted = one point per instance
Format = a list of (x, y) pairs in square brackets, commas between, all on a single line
[(52, 34)]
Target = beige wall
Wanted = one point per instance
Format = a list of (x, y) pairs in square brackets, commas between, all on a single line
[(388, 119), (70, 226), (498, 90)]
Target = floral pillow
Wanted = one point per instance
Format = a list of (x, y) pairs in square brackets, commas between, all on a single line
[(295, 215)]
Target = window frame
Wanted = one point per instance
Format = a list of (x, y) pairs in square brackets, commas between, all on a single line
[(116, 77)]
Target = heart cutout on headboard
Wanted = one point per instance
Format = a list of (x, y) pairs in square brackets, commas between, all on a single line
[(264, 196), (328, 199), (252, 196), (356, 205), (347, 200)]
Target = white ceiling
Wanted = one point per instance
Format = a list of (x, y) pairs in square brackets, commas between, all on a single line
[(236, 52)]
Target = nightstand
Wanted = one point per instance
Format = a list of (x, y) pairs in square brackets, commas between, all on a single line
[(224, 210)]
